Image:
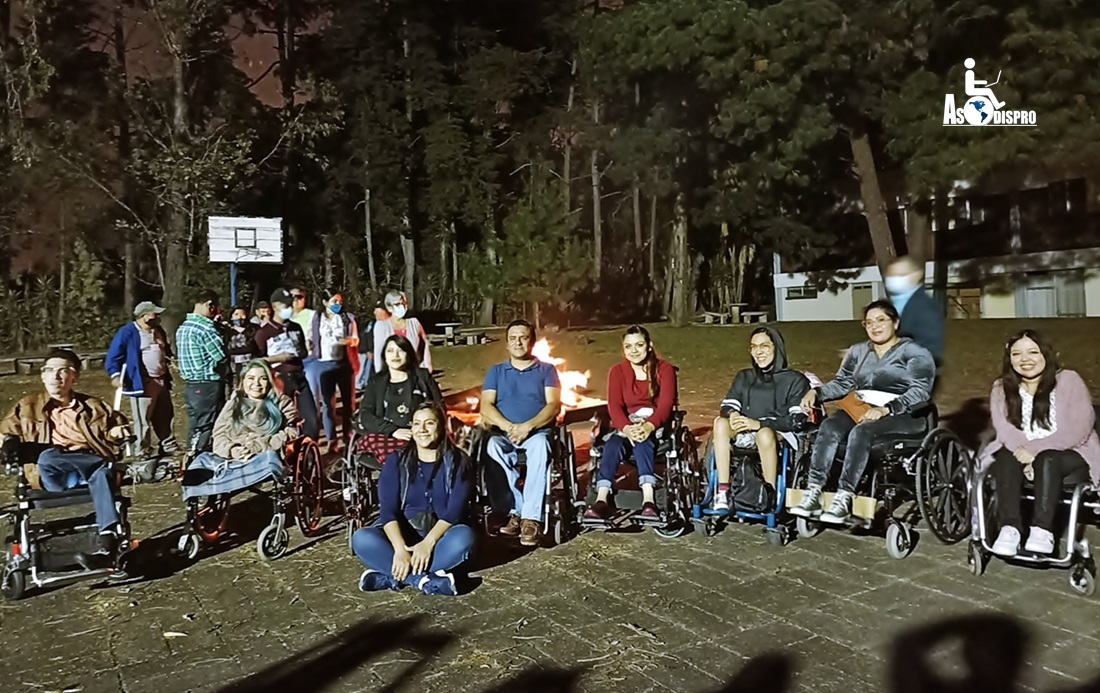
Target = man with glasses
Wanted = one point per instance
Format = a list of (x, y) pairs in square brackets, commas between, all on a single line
[(76, 438), (762, 405), (522, 398), (203, 367)]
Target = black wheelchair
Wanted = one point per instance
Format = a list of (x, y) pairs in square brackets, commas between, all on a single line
[(46, 548), (1080, 508), (679, 486), (909, 478)]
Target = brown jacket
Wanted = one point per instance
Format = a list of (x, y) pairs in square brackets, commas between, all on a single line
[(252, 437), (29, 422)]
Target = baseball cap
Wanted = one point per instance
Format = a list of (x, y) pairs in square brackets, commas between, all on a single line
[(147, 307), (281, 296), (262, 304)]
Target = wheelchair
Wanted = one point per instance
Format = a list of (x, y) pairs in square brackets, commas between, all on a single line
[(777, 529), (358, 488), (298, 494), (676, 493), (1080, 504), (493, 497), (45, 551), (909, 478)]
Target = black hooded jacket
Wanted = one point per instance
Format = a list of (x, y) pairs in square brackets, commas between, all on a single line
[(772, 396)]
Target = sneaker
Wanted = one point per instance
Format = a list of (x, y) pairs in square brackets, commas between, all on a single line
[(722, 499), (439, 582), (840, 509), (529, 533), (649, 512), (600, 511), (1008, 541), (810, 505), (1039, 540), (511, 528), (374, 581)]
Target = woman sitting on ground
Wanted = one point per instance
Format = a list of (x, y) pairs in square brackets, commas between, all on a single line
[(423, 491), (1044, 424), (397, 324), (391, 397), (641, 392), (249, 436), (762, 401), (879, 383)]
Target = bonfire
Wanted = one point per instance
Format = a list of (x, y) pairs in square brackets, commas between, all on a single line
[(572, 382)]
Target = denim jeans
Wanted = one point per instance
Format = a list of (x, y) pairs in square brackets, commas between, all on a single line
[(57, 467), (374, 549), (332, 376), (528, 502), (840, 427), (204, 401), (296, 387), (1053, 468), (615, 451)]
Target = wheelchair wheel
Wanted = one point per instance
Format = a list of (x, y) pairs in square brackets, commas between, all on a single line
[(899, 540), (14, 585), (273, 542), (942, 488), (188, 546), (674, 529), (309, 493), (807, 529), (975, 559), (1082, 578), (212, 519)]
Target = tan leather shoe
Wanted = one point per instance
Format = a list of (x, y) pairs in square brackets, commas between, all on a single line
[(511, 528), (529, 533)]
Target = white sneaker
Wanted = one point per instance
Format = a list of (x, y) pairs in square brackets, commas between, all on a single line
[(1008, 542), (722, 500), (1039, 540)]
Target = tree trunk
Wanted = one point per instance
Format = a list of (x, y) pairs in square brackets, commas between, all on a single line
[(652, 265), (680, 275), (286, 50), (63, 271), (874, 206), (454, 273), (350, 262), (444, 265), (536, 318), (368, 232), (408, 252), (122, 116), (175, 261), (635, 189), (597, 212), (567, 164), (918, 237), (485, 316), (327, 241)]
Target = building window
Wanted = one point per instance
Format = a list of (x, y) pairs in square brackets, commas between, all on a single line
[(796, 292)]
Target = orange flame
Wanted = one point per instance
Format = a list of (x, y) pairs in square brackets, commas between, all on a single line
[(571, 381)]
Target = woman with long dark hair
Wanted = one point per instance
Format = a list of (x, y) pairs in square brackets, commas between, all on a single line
[(1044, 423), (420, 538), (386, 409), (641, 392)]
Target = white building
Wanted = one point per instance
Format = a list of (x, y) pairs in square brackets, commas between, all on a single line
[(1028, 254)]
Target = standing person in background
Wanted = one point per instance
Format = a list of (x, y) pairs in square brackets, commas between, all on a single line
[(366, 347), (397, 324), (282, 343), (202, 363), (922, 318), (334, 353), (300, 314), (263, 314), (242, 342), (137, 361)]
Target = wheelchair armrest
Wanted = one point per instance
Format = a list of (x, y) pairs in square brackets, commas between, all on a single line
[(922, 409)]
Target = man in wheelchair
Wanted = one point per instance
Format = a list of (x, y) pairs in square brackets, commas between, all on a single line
[(521, 398), (73, 440)]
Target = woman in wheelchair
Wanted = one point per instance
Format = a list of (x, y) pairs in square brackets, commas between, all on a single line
[(1044, 423), (391, 397), (762, 401), (424, 491), (878, 384), (249, 436), (641, 393)]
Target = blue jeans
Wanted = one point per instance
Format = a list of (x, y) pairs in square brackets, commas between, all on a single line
[(56, 469), (615, 451), (331, 375), (528, 502), (373, 548)]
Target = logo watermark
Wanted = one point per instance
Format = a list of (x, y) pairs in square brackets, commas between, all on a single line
[(981, 106)]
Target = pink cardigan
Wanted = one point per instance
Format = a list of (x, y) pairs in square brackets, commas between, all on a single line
[(1076, 424)]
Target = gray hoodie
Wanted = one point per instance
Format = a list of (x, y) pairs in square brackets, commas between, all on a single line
[(771, 395), (906, 370)]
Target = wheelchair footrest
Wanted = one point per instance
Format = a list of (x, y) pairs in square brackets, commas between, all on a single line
[(863, 507)]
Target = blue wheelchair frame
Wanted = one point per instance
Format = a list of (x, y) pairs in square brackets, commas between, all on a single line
[(776, 532)]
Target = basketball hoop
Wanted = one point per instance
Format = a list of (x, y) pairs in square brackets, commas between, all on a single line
[(254, 240)]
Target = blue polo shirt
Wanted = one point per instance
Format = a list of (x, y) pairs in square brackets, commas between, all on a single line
[(521, 394)]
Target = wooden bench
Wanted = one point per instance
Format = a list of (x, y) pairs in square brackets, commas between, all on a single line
[(29, 365), (709, 318), (751, 316), (734, 309), (471, 337)]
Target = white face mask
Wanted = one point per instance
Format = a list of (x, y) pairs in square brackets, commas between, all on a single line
[(899, 285), (286, 314), (399, 310)]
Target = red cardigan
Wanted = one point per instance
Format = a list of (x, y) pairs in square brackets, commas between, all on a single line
[(626, 394)]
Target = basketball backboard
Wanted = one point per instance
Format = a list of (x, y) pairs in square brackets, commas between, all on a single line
[(246, 239)]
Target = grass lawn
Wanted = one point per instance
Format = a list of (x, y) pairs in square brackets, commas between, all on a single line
[(709, 356)]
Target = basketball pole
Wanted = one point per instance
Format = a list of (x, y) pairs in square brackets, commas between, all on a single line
[(232, 285)]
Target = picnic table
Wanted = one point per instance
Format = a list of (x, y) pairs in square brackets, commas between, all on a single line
[(710, 317), (752, 316), (453, 335), (734, 310)]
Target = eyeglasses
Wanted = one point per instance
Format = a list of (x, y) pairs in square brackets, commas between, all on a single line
[(876, 321), (298, 297), (760, 347), (50, 370)]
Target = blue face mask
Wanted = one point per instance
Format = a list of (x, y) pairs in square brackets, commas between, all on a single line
[(335, 308), (286, 314)]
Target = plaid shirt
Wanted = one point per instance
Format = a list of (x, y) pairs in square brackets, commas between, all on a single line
[(199, 349)]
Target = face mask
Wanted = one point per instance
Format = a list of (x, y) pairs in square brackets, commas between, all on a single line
[(152, 322), (286, 314), (899, 285), (335, 308), (399, 311), (238, 322)]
